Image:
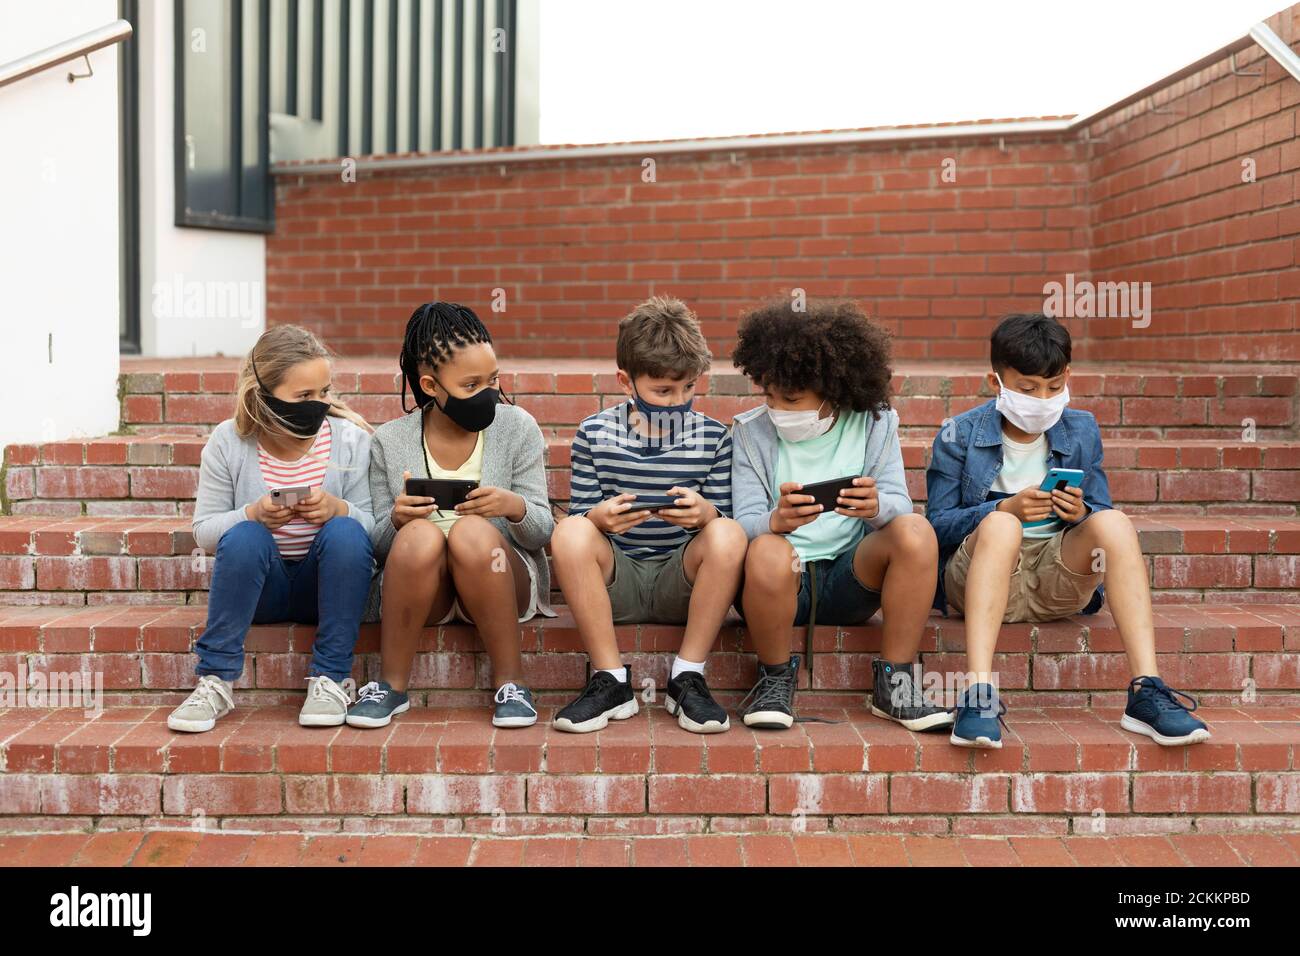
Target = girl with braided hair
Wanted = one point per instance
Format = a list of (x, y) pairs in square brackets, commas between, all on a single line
[(481, 561)]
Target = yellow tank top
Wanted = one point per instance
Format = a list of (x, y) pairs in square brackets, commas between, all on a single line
[(472, 470)]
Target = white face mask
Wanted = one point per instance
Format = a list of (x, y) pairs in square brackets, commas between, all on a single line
[(800, 425), (1030, 414)]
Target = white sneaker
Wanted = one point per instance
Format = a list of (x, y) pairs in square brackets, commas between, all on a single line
[(211, 700), (327, 702)]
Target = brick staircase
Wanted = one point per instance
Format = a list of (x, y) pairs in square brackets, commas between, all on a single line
[(98, 573)]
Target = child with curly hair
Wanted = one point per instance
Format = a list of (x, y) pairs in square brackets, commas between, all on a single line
[(825, 375)]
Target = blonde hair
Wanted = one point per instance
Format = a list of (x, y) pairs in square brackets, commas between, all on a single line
[(279, 349)]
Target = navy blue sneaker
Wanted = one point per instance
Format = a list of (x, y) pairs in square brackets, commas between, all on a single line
[(377, 704), (979, 712), (1154, 709)]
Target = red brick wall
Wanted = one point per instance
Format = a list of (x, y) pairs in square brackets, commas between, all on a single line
[(1169, 206), (576, 243)]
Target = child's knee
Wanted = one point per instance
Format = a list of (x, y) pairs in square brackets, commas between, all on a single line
[(769, 561), (472, 537), (913, 536), (999, 528), (724, 539), (1109, 522), (247, 537), (573, 537), (418, 544)]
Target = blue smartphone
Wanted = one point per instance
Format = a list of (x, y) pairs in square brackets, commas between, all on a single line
[(1057, 479)]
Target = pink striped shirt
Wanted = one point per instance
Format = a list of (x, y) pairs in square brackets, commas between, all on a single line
[(294, 538)]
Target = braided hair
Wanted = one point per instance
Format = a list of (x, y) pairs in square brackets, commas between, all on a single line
[(435, 330)]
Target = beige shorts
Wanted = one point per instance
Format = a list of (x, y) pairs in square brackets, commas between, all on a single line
[(1042, 588)]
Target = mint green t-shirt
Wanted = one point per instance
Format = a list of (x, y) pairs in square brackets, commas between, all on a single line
[(835, 454)]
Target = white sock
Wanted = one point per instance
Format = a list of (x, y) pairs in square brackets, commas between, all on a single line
[(620, 673), (680, 665)]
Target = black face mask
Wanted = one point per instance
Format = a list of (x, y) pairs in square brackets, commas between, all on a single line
[(474, 413), (301, 419)]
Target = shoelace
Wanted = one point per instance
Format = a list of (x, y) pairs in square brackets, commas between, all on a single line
[(207, 688), (371, 693), (771, 689), (322, 688), (1165, 696), (692, 684), (986, 712), (597, 682), (510, 691)]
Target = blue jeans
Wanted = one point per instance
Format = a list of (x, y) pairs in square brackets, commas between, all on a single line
[(252, 584)]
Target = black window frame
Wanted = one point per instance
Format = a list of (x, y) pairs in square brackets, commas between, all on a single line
[(246, 218)]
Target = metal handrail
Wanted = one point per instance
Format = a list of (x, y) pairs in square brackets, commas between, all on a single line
[(70, 49)]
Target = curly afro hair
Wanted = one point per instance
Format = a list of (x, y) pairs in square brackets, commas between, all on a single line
[(831, 349)]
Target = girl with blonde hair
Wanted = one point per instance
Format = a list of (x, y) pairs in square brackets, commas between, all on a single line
[(284, 504)]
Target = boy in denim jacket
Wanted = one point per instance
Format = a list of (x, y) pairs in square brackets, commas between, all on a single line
[(1010, 552)]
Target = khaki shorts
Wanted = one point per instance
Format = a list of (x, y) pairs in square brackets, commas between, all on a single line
[(1042, 588), (649, 590)]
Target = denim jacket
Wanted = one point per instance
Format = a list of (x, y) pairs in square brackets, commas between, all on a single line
[(965, 462)]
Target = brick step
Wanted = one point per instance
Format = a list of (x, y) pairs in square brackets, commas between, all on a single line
[(104, 560), (445, 770), (1221, 653), (158, 475), (70, 841), (1129, 401)]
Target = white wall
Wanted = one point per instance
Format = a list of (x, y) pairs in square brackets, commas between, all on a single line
[(208, 261), (59, 237)]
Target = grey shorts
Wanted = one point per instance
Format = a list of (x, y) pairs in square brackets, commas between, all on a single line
[(649, 590)]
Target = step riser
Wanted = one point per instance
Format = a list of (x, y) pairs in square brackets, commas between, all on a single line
[(93, 579), (106, 490), (1272, 415)]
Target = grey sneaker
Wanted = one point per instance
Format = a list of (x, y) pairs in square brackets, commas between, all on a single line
[(210, 700), (327, 702), (377, 704), (896, 696), (514, 706)]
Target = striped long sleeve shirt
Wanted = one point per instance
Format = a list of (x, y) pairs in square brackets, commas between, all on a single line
[(610, 457)]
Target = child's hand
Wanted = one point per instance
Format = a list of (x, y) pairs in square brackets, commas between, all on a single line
[(1068, 504), (265, 510), (488, 502), (612, 517), (793, 510), (690, 511), (410, 507), (319, 506), (860, 501), (1029, 505)]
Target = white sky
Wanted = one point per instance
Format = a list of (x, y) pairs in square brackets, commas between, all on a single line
[(616, 70)]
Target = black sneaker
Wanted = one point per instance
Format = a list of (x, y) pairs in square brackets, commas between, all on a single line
[(604, 697), (773, 705), (696, 710), (896, 696)]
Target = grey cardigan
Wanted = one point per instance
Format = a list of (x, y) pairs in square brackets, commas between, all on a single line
[(513, 458), (230, 479), (753, 469)]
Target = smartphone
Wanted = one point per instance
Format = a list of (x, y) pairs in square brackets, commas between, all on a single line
[(1056, 479), (289, 497), (826, 492), (648, 506), (446, 493)]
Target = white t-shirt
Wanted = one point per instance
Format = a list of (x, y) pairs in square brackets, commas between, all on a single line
[(1024, 465)]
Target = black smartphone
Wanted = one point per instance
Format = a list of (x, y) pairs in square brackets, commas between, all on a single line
[(826, 492), (446, 493), (649, 506)]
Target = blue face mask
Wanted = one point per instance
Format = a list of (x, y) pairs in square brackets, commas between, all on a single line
[(650, 411)]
